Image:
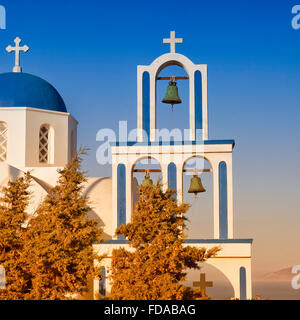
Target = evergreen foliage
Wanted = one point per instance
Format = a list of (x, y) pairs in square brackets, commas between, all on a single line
[(157, 266)]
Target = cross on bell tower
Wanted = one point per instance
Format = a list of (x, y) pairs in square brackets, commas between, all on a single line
[(172, 40), (17, 50)]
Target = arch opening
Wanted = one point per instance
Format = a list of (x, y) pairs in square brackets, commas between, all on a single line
[(138, 175), (222, 288), (243, 285), (200, 215), (172, 177), (73, 144), (179, 118), (171, 63), (146, 106), (121, 189), (198, 106), (223, 202)]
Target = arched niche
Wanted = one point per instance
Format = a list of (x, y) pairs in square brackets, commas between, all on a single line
[(223, 200), (158, 66), (121, 195), (138, 172), (172, 177), (222, 287), (243, 284), (143, 163), (198, 105), (146, 106), (73, 144), (179, 118)]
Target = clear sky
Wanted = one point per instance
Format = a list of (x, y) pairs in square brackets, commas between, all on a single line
[(89, 51)]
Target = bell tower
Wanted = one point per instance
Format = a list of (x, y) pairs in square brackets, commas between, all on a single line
[(234, 260), (148, 76)]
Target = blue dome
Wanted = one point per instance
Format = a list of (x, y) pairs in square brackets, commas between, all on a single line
[(26, 90)]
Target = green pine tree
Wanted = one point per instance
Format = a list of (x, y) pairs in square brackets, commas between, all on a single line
[(157, 267), (13, 203), (59, 240)]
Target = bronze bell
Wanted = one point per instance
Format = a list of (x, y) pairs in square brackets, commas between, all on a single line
[(147, 181), (196, 185), (172, 96)]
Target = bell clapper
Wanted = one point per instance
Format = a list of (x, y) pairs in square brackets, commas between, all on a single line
[(196, 174), (193, 207)]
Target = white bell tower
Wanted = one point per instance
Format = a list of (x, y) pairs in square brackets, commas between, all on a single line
[(147, 77), (234, 260)]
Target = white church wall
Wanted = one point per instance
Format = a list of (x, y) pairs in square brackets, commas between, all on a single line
[(15, 119), (229, 260), (59, 123), (38, 188), (99, 191), (178, 154)]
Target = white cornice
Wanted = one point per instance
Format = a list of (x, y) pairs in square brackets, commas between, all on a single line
[(66, 114)]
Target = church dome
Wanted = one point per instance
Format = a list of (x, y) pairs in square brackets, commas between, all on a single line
[(19, 89)]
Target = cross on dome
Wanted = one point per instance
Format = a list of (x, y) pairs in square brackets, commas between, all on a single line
[(17, 50), (172, 40)]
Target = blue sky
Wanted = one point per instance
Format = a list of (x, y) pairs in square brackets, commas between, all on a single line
[(89, 51)]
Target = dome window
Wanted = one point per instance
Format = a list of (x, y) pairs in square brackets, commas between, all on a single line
[(3, 141)]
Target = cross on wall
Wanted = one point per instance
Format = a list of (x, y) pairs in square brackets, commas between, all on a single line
[(203, 284)]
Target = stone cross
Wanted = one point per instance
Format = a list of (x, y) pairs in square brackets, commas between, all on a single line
[(173, 41), (17, 50), (203, 284)]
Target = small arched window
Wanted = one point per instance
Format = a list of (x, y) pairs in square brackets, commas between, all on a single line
[(44, 143), (73, 147), (3, 141)]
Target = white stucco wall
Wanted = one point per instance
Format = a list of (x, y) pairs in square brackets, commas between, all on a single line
[(23, 136), (98, 191), (229, 260), (178, 154)]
